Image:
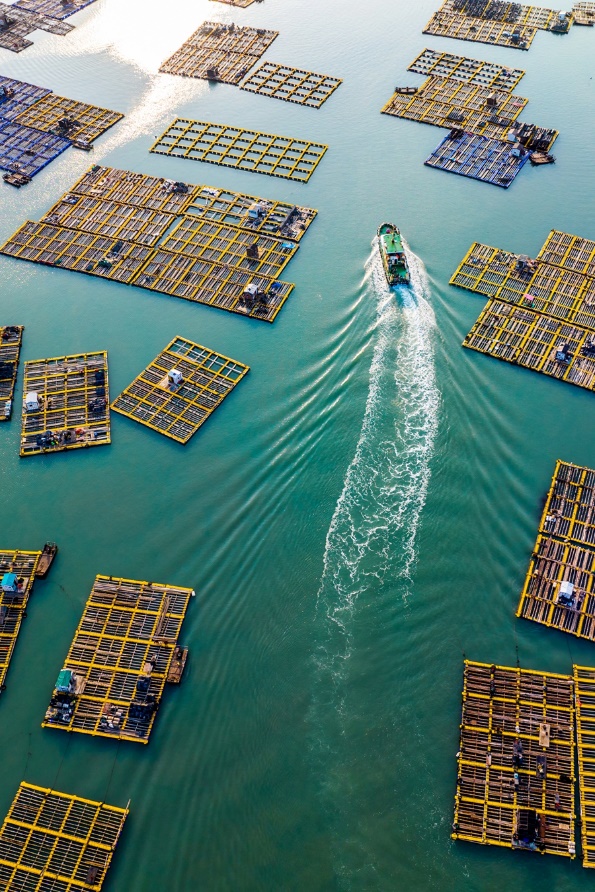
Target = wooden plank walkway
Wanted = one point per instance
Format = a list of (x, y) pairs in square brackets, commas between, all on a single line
[(291, 84), (13, 604), (250, 150), (56, 841), (175, 408), (468, 71), (584, 680), (66, 404), (11, 338), (515, 783), (117, 666), (559, 590), (220, 52)]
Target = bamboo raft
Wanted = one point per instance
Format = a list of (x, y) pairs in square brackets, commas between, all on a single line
[(559, 590), (478, 157), (87, 122), (11, 338), (55, 841), (72, 398), (55, 9), (174, 408), (584, 681), (251, 150), (291, 84), (515, 781), (119, 661), (13, 605), (19, 23), (468, 71), (220, 52), (584, 13)]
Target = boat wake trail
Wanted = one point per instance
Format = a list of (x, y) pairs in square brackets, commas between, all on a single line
[(369, 560)]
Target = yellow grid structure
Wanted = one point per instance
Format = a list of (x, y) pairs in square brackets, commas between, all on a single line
[(178, 411), (11, 338), (516, 760), (111, 218), (219, 52), (56, 842), (73, 404), (460, 27), (469, 71), (13, 605), (251, 150), (138, 189), (511, 14), (229, 245), (564, 552), (570, 252), (584, 681), (89, 121), (291, 84), (119, 659)]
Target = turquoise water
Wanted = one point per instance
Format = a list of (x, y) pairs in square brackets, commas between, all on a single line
[(355, 518)]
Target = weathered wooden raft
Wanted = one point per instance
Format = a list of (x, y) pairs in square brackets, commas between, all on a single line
[(66, 404), (51, 840), (240, 3), (17, 23), (515, 782), (11, 337), (468, 71), (55, 9), (220, 52), (13, 603), (68, 118), (291, 84), (251, 150), (178, 408), (478, 157), (584, 681), (559, 589), (117, 666), (584, 13)]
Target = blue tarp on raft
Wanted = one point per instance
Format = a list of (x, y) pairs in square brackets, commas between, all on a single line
[(23, 96), (478, 157), (26, 150)]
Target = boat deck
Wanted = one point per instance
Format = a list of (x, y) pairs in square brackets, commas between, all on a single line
[(12, 608), (507, 711)]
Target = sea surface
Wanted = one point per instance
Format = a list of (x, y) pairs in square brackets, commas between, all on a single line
[(355, 518)]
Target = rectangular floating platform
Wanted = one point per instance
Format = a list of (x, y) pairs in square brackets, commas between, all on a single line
[(559, 590), (26, 150), (460, 27), (72, 398), (56, 842), (584, 14), (477, 157), (117, 666), (87, 122), (291, 84), (179, 409), (220, 52), (240, 3), (250, 150), (17, 96), (11, 338), (56, 9), (109, 218), (21, 23), (584, 681), (13, 604), (515, 783), (468, 71)]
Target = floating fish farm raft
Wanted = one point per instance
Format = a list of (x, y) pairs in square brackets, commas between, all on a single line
[(584, 13), (57, 842), (291, 84), (26, 16), (180, 389), (559, 590), (219, 52), (11, 337), (241, 3), (17, 575), (251, 150), (474, 99), (541, 312), (497, 22), (36, 126), (515, 783), (66, 404), (584, 686), (119, 661), (199, 243)]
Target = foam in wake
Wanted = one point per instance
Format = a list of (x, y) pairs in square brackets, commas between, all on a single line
[(371, 545)]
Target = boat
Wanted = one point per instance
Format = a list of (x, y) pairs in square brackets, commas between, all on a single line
[(392, 251), (50, 550)]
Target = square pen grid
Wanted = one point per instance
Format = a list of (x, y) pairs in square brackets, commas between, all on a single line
[(119, 659), (179, 410), (72, 411), (91, 121), (54, 842), (23, 23), (249, 150), (55, 9), (22, 95), (11, 337), (26, 150), (469, 71), (584, 680), (13, 606), (291, 84)]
